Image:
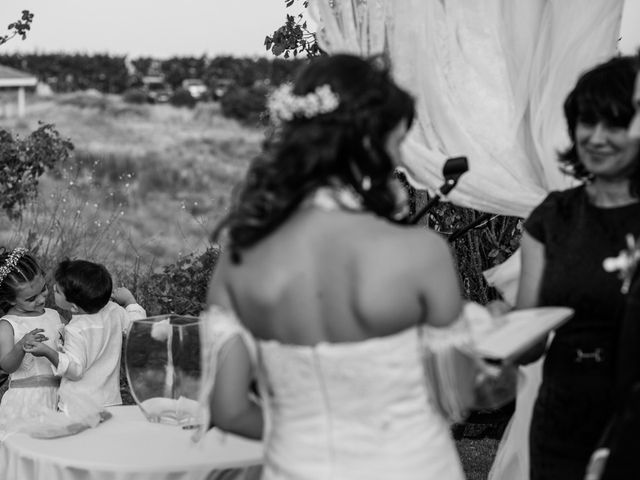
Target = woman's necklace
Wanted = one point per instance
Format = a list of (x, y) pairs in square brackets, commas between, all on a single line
[(331, 198)]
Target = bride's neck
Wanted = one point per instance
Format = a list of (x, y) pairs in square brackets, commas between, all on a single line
[(335, 197)]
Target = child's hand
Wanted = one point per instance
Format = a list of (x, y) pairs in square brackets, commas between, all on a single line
[(37, 349), (122, 296), (34, 336)]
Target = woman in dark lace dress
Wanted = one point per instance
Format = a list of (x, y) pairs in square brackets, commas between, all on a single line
[(566, 239), (616, 456)]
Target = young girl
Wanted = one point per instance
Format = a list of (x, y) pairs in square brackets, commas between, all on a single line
[(32, 385)]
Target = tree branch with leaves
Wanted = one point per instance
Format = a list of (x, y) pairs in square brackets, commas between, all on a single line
[(20, 27), (294, 37)]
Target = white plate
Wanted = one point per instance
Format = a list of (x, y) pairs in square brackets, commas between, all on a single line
[(522, 329)]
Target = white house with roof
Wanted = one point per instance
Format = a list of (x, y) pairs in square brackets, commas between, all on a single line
[(16, 80)]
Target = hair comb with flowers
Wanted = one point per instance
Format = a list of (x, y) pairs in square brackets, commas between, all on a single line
[(284, 106), (11, 262)]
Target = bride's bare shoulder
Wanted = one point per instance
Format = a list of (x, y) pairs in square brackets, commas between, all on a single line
[(407, 250), (416, 242)]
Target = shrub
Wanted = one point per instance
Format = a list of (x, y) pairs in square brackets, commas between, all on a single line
[(182, 98), (24, 161), (135, 95), (181, 287), (246, 104)]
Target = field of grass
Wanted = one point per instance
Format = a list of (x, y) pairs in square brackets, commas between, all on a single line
[(145, 185)]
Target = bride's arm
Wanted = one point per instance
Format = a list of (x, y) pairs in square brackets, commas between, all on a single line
[(231, 407), (437, 277)]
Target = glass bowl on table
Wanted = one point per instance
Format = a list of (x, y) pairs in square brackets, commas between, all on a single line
[(162, 364)]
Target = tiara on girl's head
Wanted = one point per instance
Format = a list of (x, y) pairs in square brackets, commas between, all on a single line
[(284, 106), (11, 262)]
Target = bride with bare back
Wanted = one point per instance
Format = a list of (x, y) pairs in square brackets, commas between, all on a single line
[(330, 287)]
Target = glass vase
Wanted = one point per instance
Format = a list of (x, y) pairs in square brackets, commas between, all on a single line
[(162, 364)]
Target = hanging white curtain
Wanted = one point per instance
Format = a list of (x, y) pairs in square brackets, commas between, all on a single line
[(489, 78)]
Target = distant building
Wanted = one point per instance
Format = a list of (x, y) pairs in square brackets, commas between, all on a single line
[(12, 80)]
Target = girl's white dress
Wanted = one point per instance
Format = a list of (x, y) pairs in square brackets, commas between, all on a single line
[(343, 410), (32, 391)]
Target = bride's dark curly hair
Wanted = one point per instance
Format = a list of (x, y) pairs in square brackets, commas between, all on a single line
[(346, 145)]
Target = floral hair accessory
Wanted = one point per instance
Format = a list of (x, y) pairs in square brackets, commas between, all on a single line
[(11, 262), (284, 106)]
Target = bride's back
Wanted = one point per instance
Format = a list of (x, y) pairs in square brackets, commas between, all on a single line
[(340, 277), (339, 364)]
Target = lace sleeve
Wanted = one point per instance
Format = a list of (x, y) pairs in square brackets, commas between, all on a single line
[(218, 327)]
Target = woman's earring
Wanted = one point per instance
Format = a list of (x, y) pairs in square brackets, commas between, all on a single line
[(366, 183)]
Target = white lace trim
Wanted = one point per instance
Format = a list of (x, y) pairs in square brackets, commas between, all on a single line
[(335, 198)]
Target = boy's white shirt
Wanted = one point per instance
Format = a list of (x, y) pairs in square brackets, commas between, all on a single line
[(89, 362)]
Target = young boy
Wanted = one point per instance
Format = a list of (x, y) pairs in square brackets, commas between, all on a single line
[(89, 362)]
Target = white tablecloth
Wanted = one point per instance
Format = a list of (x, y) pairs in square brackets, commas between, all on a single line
[(126, 447)]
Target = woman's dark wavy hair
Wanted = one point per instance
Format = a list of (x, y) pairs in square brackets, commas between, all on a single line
[(603, 93), (26, 269), (347, 144)]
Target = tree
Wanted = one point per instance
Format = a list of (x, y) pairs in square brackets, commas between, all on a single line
[(293, 37), (24, 161)]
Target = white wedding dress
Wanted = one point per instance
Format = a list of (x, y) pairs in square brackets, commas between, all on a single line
[(359, 410)]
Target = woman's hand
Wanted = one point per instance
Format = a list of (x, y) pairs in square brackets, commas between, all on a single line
[(498, 308), (532, 354), (597, 463), (496, 385)]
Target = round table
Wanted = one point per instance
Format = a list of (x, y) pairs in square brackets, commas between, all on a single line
[(128, 447)]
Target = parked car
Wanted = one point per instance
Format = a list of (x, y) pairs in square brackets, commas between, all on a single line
[(158, 91), (195, 87)]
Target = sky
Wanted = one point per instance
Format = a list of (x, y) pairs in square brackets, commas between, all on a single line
[(165, 28), (157, 28)]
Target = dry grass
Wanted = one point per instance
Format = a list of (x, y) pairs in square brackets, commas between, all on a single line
[(145, 185)]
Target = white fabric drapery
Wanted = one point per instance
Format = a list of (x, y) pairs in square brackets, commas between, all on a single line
[(489, 80)]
